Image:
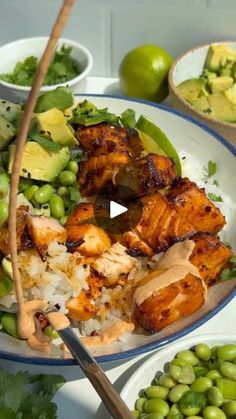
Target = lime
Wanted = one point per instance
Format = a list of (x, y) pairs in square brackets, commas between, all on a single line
[(143, 73), (155, 141)]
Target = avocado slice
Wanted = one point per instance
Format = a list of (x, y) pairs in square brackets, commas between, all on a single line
[(38, 163), (219, 84), (11, 111), (7, 132), (53, 124), (219, 56), (60, 98), (191, 89), (221, 107), (201, 104)]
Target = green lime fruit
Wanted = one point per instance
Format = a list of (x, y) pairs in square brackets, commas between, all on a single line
[(155, 141), (143, 73)]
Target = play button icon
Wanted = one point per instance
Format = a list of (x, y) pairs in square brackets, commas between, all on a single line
[(115, 212), (116, 209)]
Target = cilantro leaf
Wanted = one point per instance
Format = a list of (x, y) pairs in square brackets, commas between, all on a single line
[(74, 193), (211, 169), (233, 259), (38, 406), (11, 389), (88, 114), (128, 119), (214, 197), (49, 145), (47, 384), (228, 274)]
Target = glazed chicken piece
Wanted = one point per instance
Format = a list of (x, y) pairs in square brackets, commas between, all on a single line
[(159, 227), (146, 175), (23, 239), (44, 230), (98, 172), (210, 256), (192, 204), (81, 308), (103, 139), (113, 264), (83, 236)]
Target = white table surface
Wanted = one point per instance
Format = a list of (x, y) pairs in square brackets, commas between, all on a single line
[(88, 404)]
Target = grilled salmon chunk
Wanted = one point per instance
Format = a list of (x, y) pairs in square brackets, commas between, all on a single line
[(103, 139), (192, 204), (147, 174), (44, 230), (97, 172)]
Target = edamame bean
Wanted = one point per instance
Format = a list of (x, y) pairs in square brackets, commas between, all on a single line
[(135, 414), (195, 417), (213, 375), (191, 403), (3, 212), (9, 323), (201, 384), (177, 392), (67, 178), (227, 352), (29, 192), (229, 408), (186, 375), (214, 396), (157, 392), (72, 166), (57, 208), (227, 388), (43, 194), (6, 285), (153, 415), (180, 363), (24, 184), (200, 371), (166, 380), (50, 332), (62, 191), (175, 416), (175, 371), (156, 405), (228, 370), (203, 351), (63, 220), (188, 356), (139, 404), (4, 188), (213, 412)]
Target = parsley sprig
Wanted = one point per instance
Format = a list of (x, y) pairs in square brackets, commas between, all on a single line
[(230, 272)]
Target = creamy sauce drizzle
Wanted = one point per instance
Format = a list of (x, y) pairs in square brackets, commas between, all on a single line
[(58, 320), (26, 312), (173, 266), (109, 335), (38, 341)]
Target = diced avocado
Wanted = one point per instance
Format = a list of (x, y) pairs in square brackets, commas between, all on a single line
[(7, 132), (201, 104), (191, 89), (60, 98), (38, 163), (9, 110), (225, 72), (231, 95), (53, 123), (208, 75), (219, 56), (219, 84), (7, 267), (221, 107)]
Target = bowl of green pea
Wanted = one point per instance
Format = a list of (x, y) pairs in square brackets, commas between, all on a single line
[(194, 378), (19, 61)]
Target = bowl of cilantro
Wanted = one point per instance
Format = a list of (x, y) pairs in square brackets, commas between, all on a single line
[(19, 61)]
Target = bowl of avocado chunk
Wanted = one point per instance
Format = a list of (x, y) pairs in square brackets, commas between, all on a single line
[(19, 61), (202, 83)]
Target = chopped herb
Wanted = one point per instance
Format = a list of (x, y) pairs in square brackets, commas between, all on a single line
[(228, 274), (44, 141), (88, 114), (216, 183), (214, 197), (74, 194), (128, 119), (211, 168), (233, 259)]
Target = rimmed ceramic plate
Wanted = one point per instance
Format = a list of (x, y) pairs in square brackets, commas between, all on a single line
[(144, 375), (201, 142)]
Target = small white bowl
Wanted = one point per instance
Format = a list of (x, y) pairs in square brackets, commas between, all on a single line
[(190, 65), (18, 50)]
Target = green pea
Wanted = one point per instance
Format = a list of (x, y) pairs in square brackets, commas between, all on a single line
[(67, 178), (227, 352), (213, 375), (203, 351), (73, 166), (4, 188), (9, 323), (6, 285), (3, 212), (63, 220), (177, 392), (166, 380), (188, 356), (156, 406), (4, 175), (201, 384), (157, 392), (229, 408), (228, 370), (24, 184), (215, 396), (43, 194), (200, 371), (62, 191), (139, 404), (57, 208), (29, 192), (192, 402), (50, 332), (154, 415), (135, 414), (213, 412)]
